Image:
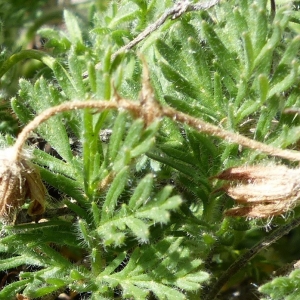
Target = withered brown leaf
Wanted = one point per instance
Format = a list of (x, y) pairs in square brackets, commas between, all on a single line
[(262, 191), (19, 180)]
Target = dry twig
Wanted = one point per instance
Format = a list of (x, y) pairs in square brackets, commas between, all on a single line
[(174, 12), (144, 111)]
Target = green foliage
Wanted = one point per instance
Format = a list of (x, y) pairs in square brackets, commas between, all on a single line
[(282, 287), (142, 218)]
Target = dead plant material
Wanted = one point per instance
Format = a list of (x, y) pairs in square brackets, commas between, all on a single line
[(19, 180), (261, 191), (21, 297), (150, 108)]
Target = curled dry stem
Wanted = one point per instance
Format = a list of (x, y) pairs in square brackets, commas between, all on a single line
[(143, 110), (177, 10), (174, 12), (229, 136), (66, 106)]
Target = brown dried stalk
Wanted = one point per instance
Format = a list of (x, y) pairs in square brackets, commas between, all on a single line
[(229, 136), (156, 111), (67, 106), (174, 12)]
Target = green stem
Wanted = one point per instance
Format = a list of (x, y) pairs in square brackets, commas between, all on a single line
[(245, 258), (88, 150), (96, 261), (26, 54), (45, 18)]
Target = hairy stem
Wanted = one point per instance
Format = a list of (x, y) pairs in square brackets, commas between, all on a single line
[(245, 258), (67, 106), (178, 9), (25, 54), (229, 136), (149, 110)]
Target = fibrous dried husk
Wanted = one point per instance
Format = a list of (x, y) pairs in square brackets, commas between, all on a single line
[(19, 180), (263, 191)]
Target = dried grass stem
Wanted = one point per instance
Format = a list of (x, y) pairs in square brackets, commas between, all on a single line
[(177, 10), (229, 136), (144, 112), (67, 106)]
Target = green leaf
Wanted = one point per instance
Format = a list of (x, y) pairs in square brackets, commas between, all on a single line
[(179, 82), (151, 271), (113, 264), (75, 66), (138, 228), (159, 213), (249, 54), (117, 135), (113, 194), (287, 82), (65, 81), (137, 216), (263, 87), (220, 50), (269, 47), (282, 287), (291, 52), (201, 60), (134, 134), (55, 39), (10, 291), (55, 165), (192, 282), (17, 261), (261, 21), (73, 27), (64, 184), (169, 54), (141, 193)]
